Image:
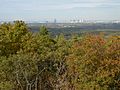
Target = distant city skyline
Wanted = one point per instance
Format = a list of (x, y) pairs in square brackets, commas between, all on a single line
[(42, 10)]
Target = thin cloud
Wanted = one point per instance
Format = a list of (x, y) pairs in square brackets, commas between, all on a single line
[(60, 6), (77, 5), (69, 6), (95, 1), (87, 4)]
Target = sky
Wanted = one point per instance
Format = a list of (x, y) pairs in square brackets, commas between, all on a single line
[(32, 10)]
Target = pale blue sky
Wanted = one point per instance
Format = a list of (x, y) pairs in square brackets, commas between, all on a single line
[(32, 10)]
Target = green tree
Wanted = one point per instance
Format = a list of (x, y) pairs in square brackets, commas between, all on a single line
[(43, 30), (10, 37)]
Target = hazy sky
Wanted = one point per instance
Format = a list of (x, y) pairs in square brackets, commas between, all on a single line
[(59, 9)]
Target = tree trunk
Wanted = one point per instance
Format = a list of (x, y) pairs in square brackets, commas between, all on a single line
[(36, 84)]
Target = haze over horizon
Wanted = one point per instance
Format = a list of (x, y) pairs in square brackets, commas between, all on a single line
[(31, 10)]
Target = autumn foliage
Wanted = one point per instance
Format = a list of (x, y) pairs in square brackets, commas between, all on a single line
[(37, 61)]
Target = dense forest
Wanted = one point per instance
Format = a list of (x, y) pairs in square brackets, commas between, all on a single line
[(38, 61)]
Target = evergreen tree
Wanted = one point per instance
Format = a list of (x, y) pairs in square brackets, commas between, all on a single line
[(43, 30)]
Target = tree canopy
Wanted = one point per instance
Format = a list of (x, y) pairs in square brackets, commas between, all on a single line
[(37, 61)]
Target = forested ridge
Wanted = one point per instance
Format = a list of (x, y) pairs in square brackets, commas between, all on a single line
[(38, 61)]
